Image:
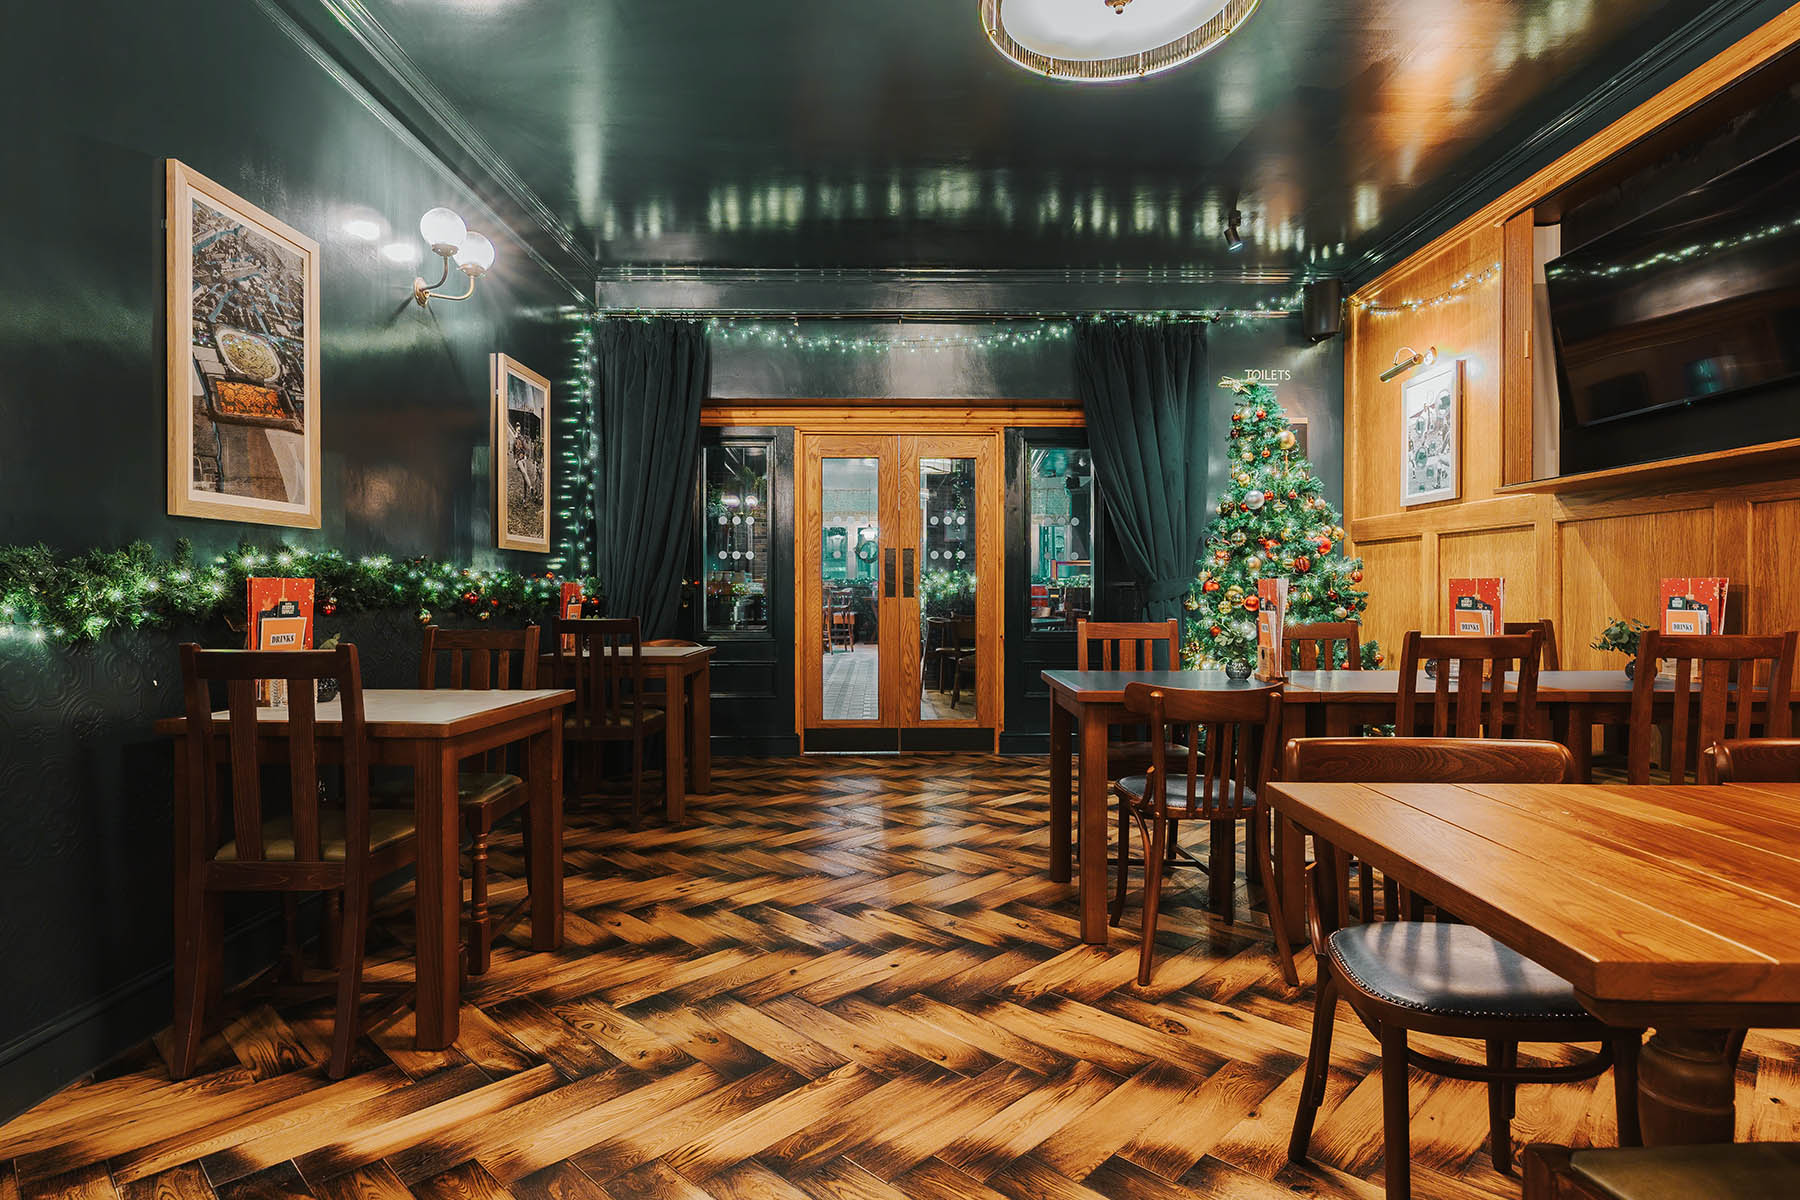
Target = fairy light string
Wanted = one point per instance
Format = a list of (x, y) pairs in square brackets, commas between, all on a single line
[(1456, 291)]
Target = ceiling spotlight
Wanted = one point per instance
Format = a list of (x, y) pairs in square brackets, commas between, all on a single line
[(1233, 232), (1405, 359), (450, 239)]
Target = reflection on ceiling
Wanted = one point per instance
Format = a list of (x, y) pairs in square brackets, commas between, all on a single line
[(819, 135)]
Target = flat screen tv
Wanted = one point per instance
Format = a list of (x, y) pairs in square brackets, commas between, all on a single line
[(1676, 309)]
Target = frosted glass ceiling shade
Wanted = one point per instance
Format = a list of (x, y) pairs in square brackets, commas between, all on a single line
[(443, 231), (1090, 41), (476, 255)]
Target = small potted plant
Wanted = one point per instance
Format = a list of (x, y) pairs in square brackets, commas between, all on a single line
[(1622, 634)]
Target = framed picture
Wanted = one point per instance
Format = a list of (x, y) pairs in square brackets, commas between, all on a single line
[(1430, 434), (521, 456), (1301, 427), (243, 359)]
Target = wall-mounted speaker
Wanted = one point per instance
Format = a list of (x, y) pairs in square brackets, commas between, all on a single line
[(1322, 311)]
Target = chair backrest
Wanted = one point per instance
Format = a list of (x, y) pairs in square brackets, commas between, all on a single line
[(480, 659), (239, 670), (1402, 760), (671, 642), (1474, 703), (1231, 739), (1752, 760), (1715, 693), (1128, 645), (1549, 659), (1315, 646), (603, 662)]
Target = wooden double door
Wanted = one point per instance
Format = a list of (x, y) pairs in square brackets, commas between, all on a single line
[(898, 570)]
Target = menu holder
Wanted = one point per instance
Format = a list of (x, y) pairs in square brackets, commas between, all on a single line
[(570, 608), (1477, 608), (1271, 629), (1691, 606), (280, 618)]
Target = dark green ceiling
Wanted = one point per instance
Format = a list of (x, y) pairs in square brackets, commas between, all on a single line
[(827, 134)]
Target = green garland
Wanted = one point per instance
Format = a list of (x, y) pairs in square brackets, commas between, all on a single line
[(44, 598)]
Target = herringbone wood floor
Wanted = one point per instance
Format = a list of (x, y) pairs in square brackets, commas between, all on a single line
[(845, 978)]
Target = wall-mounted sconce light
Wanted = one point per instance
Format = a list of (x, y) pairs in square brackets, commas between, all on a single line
[(449, 239), (1405, 359)]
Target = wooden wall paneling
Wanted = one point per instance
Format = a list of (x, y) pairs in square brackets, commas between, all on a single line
[(1511, 554), (1774, 549), (1395, 604), (1611, 567), (1517, 273)]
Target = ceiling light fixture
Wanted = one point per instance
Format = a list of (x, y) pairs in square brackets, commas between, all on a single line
[(1405, 359), (1233, 232), (1099, 42), (449, 239)]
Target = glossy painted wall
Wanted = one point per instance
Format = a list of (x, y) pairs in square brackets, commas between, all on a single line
[(101, 93)]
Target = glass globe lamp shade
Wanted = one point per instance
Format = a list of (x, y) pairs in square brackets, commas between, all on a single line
[(476, 255), (443, 231)]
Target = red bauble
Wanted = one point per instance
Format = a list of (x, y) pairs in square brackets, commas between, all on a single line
[(1237, 416), (1251, 603), (1356, 576), (1324, 545), (1215, 631), (1261, 415), (1242, 507), (1211, 585), (493, 604), (1302, 563), (1266, 452)]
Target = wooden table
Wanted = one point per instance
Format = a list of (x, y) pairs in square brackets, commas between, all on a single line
[(685, 671), (1672, 908), (1084, 705), (432, 731)]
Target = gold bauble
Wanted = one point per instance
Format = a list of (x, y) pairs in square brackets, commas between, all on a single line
[(1286, 439), (1253, 564)]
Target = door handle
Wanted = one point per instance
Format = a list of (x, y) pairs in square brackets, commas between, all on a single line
[(889, 589), (906, 557)]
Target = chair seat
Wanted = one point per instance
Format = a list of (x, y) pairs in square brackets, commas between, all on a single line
[(1184, 804), (387, 827), (1741, 1171), (653, 717), (1449, 970), (474, 789)]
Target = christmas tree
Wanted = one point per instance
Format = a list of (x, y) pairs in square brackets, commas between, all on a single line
[(1273, 520)]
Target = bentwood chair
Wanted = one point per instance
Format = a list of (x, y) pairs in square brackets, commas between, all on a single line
[(1475, 703), (1752, 760), (480, 659), (1315, 646), (601, 658), (1221, 778), (1728, 669), (232, 838), (1439, 978)]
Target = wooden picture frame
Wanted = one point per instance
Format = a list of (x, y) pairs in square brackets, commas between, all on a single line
[(520, 434), (1431, 435), (242, 316)]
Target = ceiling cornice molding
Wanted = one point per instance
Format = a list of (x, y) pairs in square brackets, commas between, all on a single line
[(436, 122), (1590, 113)]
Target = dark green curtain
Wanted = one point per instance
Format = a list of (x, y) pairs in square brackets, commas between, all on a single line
[(651, 380), (1140, 385)]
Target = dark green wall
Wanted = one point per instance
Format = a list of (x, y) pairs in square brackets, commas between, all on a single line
[(99, 94)]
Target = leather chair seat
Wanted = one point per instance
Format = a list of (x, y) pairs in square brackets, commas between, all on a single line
[(1741, 1171), (1449, 970), (1182, 804), (387, 826), (392, 788)]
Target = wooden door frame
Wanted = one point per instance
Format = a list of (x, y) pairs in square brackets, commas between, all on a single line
[(988, 442)]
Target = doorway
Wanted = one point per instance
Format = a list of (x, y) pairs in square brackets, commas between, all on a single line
[(898, 570)]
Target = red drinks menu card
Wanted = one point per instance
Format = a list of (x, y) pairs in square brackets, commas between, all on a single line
[(1475, 606), (281, 618)]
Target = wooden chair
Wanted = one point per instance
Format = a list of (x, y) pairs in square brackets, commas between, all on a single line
[(1752, 760), (1128, 646), (1315, 646), (840, 619), (1439, 978), (479, 659), (1733, 1171), (1481, 667), (961, 656), (1548, 658), (1727, 667), (311, 847), (1232, 735), (604, 666)]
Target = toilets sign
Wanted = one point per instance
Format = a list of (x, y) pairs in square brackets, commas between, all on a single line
[(1269, 375)]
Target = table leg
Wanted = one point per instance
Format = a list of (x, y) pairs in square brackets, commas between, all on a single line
[(1060, 762), (546, 828), (700, 730), (1687, 1080), (1579, 738), (438, 894), (674, 749), (1091, 837), (1290, 843)]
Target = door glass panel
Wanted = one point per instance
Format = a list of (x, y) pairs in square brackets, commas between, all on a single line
[(737, 538), (1061, 538), (949, 664), (849, 569)]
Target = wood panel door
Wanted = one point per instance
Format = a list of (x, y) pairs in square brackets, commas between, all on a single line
[(898, 577)]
